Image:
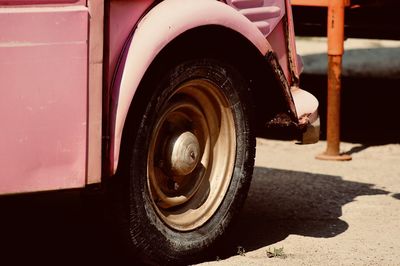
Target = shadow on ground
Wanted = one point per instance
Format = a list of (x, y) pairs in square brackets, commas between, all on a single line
[(282, 203), (56, 227), (396, 196)]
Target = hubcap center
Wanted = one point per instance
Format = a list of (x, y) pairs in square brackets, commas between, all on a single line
[(183, 153)]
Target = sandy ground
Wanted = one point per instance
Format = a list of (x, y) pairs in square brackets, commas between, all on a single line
[(320, 212), (323, 212)]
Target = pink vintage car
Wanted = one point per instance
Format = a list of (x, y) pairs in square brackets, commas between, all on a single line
[(161, 98)]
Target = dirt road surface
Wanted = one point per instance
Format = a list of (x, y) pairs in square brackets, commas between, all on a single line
[(319, 212), (323, 212)]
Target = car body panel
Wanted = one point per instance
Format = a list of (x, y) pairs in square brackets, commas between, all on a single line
[(64, 106), (37, 3), (43, 98)]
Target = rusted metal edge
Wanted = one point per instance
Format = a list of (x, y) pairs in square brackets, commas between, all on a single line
[(290, 112), (287, 119), (281, 120), (292, 65)]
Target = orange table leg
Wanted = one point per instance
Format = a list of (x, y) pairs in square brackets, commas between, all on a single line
[(335, 53)]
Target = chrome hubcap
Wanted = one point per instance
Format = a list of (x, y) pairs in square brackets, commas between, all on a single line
[(183, 153)]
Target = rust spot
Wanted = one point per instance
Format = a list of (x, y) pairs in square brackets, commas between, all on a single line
[(281, 120), (292, 65), (285, 88)]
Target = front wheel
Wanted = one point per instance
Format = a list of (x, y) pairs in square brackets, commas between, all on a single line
[(191, 159)]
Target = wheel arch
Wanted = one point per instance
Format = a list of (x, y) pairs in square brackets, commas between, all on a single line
[(228, 34)]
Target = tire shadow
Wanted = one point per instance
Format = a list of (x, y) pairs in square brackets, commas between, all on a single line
[(282, 203)]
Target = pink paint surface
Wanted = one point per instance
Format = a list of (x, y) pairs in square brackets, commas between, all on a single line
[(40, 2), (123, 17), (266, 14), (278, 42), (161, 25), (43, 99)]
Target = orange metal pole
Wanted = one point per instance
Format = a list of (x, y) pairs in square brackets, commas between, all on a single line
[(323, 3), (335, 53), (309, 2)]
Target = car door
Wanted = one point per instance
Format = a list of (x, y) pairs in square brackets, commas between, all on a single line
[(43, 94)]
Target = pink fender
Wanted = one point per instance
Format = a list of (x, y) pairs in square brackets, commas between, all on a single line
[(160, 26)]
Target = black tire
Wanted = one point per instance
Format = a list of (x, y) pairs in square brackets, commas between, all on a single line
[(150, 230)]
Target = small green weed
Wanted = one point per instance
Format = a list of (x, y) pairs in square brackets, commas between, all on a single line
[(241, 251), (276, 253)]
